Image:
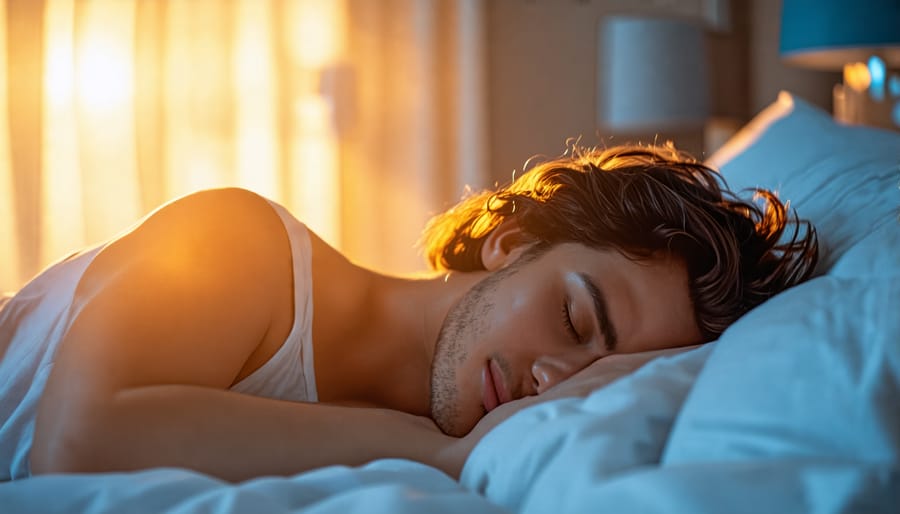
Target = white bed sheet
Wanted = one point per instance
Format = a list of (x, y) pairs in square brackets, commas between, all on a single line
[(386, 486)]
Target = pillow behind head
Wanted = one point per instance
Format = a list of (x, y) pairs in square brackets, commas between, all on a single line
[(844, 179), (813, 374)]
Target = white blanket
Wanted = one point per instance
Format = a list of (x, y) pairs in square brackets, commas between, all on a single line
[(387, 486)]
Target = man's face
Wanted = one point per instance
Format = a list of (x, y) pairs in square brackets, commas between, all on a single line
[(538, 321)]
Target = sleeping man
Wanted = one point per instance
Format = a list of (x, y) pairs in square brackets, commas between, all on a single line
[(221, 335)]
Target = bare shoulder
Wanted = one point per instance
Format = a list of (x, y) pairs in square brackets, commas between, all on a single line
[(188, 294), (201, 233), (216, 216)]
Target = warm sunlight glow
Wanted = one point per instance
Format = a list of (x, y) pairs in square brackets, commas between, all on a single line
[(143, 102), (315, 168), (201, 170), (104, 66), (9, 269), (256, 116), (60, 66), (104, 77), (197, 127), (88, 125), (317, 30), (61, 182)]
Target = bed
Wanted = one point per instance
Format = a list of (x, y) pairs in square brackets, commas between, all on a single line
[(796, 408)]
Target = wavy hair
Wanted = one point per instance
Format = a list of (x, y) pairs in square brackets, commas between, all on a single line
[(641, 200)]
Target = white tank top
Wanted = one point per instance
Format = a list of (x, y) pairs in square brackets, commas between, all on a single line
[(34, 321), (289, 374)]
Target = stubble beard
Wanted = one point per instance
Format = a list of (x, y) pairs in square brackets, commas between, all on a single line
[(466, 321)]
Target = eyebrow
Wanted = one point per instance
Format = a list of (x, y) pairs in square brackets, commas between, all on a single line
[(600, 311)]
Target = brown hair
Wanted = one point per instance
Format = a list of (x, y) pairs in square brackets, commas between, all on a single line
[(641, 200)]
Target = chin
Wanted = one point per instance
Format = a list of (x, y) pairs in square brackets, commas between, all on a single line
[(454, 425)]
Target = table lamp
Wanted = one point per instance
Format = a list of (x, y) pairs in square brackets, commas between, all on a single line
[(860, 37), (651, 75)]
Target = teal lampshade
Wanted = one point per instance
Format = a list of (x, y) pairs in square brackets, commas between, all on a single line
[(826, 34)]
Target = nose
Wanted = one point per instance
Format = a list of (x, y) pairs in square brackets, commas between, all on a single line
[(549, 370)]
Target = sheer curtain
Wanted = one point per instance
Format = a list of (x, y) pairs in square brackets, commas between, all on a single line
[(363, 118)]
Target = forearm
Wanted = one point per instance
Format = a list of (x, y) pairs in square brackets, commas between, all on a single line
[(230, 435)]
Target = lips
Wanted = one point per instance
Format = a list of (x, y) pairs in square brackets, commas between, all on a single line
[(494, 392), (488, 392)]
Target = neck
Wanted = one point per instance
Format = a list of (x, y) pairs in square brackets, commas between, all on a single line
[(392, 356)]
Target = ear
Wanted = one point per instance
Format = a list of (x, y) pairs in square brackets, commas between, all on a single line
[(502, 246)]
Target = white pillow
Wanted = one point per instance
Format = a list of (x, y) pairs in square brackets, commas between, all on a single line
[(547, 457), (815, 371), (842, 178)]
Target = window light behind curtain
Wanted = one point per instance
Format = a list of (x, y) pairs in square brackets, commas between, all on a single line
[(363, 118)]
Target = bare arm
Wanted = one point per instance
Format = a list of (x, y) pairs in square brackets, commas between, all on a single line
[(168, 316), (231, 436)]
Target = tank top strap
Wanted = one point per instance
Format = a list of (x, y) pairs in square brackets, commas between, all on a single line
[(290, 373)]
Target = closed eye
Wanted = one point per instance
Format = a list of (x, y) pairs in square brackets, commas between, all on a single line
[(567, 321)]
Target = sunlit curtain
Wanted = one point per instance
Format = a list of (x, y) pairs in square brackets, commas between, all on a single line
[(363, 118)]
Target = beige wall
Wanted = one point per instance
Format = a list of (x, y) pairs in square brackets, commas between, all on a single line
[(542, 71), (541, 78)]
